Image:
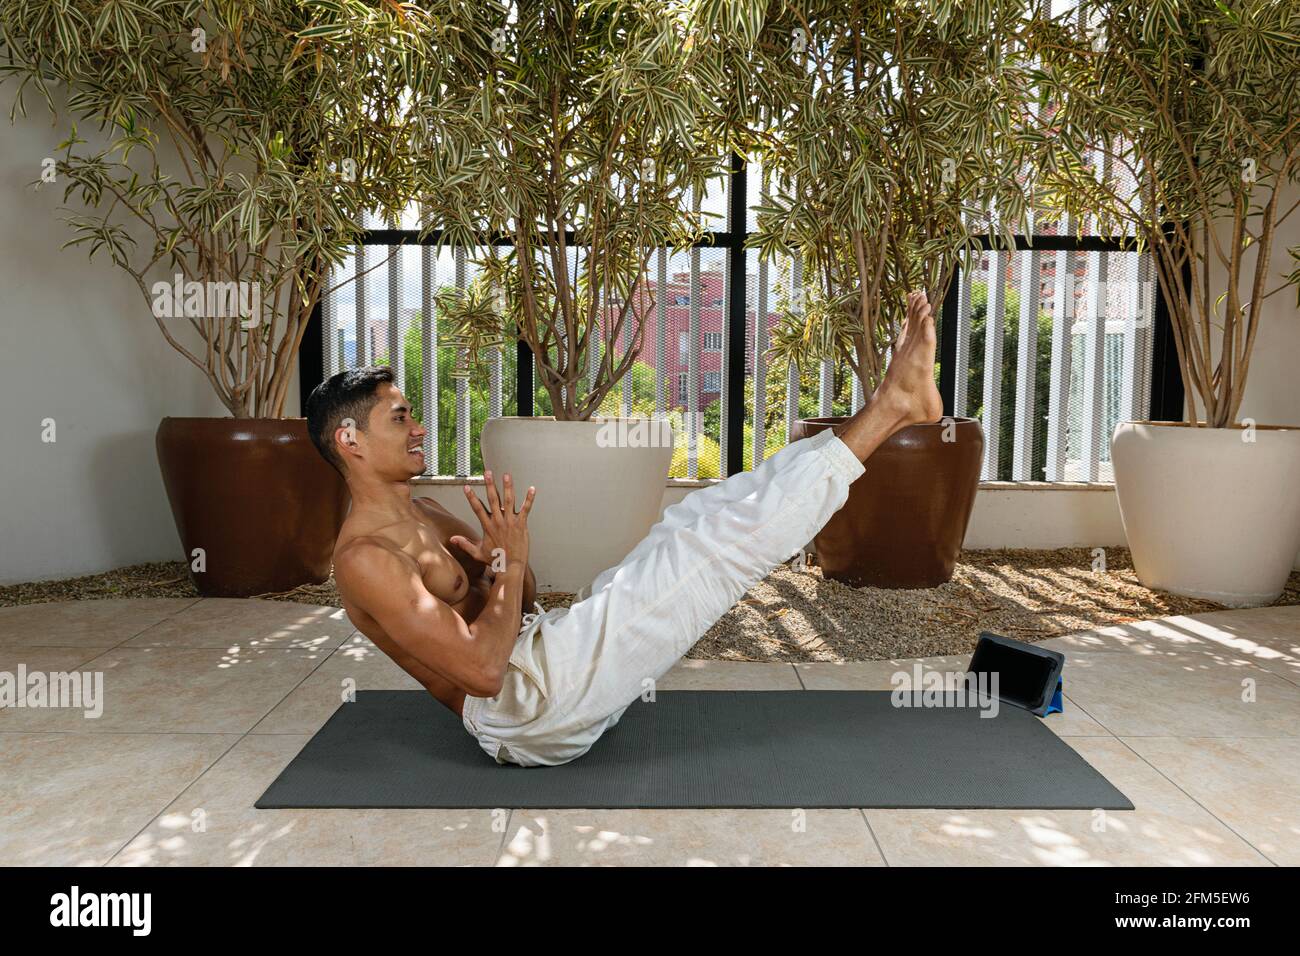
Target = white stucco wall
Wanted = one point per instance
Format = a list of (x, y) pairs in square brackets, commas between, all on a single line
[(78, 344), (1273, 386)]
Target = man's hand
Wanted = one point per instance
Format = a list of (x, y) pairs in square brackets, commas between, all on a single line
[(505, 531)]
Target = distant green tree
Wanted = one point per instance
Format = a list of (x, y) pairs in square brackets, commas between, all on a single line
[(641, 377)]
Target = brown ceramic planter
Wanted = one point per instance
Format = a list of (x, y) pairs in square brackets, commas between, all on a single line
[(256, 496), (906, 516)]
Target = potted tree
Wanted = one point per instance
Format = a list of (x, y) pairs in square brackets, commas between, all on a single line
[(237, 145), (892, 131), (574, 131), (1196, 105)]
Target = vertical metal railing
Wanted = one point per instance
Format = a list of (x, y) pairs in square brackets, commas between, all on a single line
[(661, 330), (1115, 380), (628, 386), (735, 324), (495, 383), (1092, 400), (463, 437), (1138, 314), (1031, 283), (994, 329), (693, 355), (396, 325), (1058, 389), (430, 384), (961, 358), (331, 334), (760, 364), (362, 357), (729, 280), (792, 372), (596, 340), (826, 388)]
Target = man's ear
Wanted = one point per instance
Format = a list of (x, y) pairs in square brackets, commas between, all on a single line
[(345, 439)]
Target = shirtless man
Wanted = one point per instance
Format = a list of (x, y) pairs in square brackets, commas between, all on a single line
[(414, 578), (447, 604)]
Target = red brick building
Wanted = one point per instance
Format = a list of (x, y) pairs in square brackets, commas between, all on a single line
[(677, 320)]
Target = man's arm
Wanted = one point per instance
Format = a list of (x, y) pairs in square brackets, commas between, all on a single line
[(530, 589), (386, 584)]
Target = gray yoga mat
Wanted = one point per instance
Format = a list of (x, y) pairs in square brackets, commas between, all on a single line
[(809, 749)]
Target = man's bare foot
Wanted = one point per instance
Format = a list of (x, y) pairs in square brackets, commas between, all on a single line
[(909, 381), (907, 395)]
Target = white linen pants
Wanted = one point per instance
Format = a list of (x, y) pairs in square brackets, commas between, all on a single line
[(574, 671)]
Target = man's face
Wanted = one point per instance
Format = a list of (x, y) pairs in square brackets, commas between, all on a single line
[(392, 445)]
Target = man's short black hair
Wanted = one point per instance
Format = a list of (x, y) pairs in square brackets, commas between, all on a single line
[(349, 394)]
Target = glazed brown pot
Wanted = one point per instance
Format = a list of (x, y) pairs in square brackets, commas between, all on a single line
[(906, 515), (256, 496)]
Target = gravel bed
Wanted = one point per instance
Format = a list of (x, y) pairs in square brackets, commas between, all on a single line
[(797, 615)]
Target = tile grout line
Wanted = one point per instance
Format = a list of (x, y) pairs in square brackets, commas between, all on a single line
[(1085, 713), (1293, 683), (102, 650), (874, 839), (861, 810), (509, 820), (235, 743), (163, 809), (304, 680), (1248, 663), (1281, 677), (109, 649), (1179, 788), (505, 835)]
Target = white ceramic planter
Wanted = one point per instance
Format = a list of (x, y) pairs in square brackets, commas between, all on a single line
[(1210, 512), (600, 485)]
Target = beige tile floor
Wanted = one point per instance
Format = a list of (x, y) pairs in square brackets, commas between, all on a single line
[(1196, 719)]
